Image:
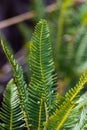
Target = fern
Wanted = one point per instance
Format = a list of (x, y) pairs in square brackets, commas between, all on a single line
[(39, 101), (19, 80), (42, 81), (11, 115), (56, 121), (81, 114), (82, 123), (77, 120)]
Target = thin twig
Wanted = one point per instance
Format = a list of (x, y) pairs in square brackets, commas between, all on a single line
[(23, 17), (16, 19)]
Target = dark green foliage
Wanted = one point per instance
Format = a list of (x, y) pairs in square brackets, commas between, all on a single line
[(41, 106), (42, 80), (58, 118), (19, 81), (77, 120), (11, 115)]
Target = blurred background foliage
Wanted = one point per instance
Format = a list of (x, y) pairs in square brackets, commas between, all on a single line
[(67, 20)]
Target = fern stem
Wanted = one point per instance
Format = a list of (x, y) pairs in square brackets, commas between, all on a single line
[(40, 111), (11, 120), (26, 121), (64, 118), (41, 67), (47, 115), (46, 110), (42, 73)]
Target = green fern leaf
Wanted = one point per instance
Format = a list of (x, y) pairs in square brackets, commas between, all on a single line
[(19, 80), (72, 93), (81, 113), (60, 115), (11, 116), (77, 120), (41, 91), (82, 123)]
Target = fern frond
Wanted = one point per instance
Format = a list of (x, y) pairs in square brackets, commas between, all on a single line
[(60, 115), (82, 123), (81, 114), (57, 102), (42, 80), (11, 116), (72, 93), (77, 120), (19, 80)]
